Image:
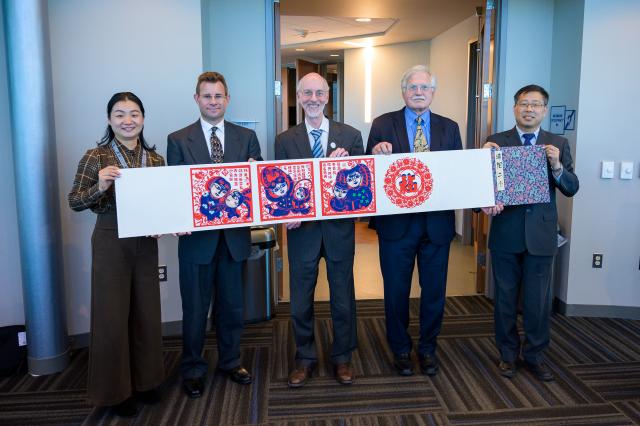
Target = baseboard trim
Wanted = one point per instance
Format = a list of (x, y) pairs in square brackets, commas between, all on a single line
[(602, 311)]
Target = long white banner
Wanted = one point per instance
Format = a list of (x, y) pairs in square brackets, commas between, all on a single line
[(162, 200)]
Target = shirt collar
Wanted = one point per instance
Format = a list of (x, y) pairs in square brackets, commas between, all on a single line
[(536, 132), (206, 126), (411, 116), (324, 126)]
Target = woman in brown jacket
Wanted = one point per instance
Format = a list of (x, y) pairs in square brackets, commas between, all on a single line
[(125, 354)]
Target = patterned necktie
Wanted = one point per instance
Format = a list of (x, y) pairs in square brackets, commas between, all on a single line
[(420, 141), (217, 154), (317, 145)]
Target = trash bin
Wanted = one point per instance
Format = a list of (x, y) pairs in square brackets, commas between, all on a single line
[(260, 276)]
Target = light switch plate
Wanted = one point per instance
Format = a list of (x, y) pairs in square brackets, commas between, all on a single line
[(607, 170), (626, 170)]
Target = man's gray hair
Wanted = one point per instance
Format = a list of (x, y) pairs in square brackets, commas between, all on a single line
[(413, 70), (324, 82)]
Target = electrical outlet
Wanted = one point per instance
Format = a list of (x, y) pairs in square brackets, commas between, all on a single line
[(596, 262), (162, 272)]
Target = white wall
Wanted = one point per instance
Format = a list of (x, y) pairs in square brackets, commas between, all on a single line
[(449, 61), (606, 213), (11, 307), (388, 63), (99, 48)]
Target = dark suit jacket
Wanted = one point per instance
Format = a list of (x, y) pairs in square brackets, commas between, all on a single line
[(533, 227), (445, 136), (338, 235), (188, 146)]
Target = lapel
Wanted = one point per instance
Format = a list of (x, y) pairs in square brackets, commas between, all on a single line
[(400, 129), (301, 141), (513, 139), (333, 137), (437, 132), (543, 138), (198, 145), (231, 144)]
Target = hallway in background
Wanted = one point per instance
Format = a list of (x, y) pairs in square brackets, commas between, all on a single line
[(368, 279)]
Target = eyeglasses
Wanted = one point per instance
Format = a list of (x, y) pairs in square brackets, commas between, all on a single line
[(413, 88), (217, 97), (534, 105), (309, 93)]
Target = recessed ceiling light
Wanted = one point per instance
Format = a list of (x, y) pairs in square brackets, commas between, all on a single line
[(363, 19), (299, 50), (334, 55)]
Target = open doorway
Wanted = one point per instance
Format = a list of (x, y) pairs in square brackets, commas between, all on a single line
[(397, 38)]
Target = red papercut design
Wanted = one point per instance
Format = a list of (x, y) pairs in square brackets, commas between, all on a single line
[(348, 186), (221, 195), (286, 191), (408, 182)]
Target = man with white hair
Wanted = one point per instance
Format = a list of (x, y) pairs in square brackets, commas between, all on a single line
[(334, 240), (403, 238)]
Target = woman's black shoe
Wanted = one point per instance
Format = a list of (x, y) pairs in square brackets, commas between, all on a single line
[(126, 408), (149, 397)]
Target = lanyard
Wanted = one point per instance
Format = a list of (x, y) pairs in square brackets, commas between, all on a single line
[(121, 161)]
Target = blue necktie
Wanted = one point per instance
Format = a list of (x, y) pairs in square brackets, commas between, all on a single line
[(317, 145), (527, 138)]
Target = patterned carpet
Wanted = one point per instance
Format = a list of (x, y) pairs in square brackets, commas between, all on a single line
[(596, 362)]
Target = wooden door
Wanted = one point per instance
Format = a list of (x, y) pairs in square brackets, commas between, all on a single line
[(303, 68)]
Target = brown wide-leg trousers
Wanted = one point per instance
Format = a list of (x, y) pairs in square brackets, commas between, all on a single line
[(125, 354)]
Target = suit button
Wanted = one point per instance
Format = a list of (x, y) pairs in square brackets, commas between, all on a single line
[(528, 210)]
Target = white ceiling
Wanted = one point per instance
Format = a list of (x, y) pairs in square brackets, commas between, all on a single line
[(300, 31), (330, 24)]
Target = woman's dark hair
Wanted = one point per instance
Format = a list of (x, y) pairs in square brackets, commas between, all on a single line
[(108, 133)]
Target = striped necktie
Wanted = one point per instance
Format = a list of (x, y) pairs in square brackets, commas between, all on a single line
[(317, 145), (217, 154), (420, 141)]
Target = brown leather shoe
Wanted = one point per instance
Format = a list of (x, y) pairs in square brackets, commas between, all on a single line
[(344, 373), (299, 376)]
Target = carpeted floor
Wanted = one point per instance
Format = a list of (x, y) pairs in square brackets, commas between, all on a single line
[(596, 363)]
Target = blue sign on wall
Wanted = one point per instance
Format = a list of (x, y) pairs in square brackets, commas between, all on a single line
[(570, 119), (556, 118)]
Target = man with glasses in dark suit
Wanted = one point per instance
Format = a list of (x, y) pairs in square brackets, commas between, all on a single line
[(523, 242), (427, 236), (319, 137), (211, 261)]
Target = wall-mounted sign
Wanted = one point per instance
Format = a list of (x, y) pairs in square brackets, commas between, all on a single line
[(556, 118), (570, 119)]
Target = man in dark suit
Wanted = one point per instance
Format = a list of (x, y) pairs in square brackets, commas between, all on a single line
[(212, 260), (334, 240), (405, 237), (523, 241)]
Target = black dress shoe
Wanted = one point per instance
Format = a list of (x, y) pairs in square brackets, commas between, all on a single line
[(403, 364), (540, 370), (238, 375), (429, 364), (126, 408), (193, 388), (507, 369), (150, 397)]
